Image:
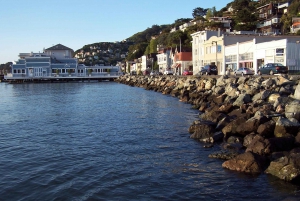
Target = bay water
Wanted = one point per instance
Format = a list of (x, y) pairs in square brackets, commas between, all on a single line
[(108, 141)]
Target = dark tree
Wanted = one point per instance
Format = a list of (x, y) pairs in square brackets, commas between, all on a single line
[(197, 12)]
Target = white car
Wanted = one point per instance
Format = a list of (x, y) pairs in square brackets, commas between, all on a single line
[(168, 72)]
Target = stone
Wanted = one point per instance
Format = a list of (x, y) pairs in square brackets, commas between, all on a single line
[(273, 97), (268, 83), (202, 131), (251, 125), (297, 92), (247, 162), (292, 110), (266, 129), (285, 127), (230, 129), (242, 99), (248, 139), (263, 146), (286, 168)]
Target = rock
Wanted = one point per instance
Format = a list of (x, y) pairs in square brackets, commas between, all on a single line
[(263, 146), (273, 97), (287, 167), (212, 115), (297, 92), (202, 131), (266, 129), (268, 83), (248, 139), (230, 129), (223, 122), (221, 81), (226, 108), (247, 162), (285, 127), (283, 81), (251, 125), (261, 96), (297, 139), (242, 99), (292, 110)]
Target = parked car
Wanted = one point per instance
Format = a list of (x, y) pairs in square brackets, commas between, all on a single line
[(209, 70), (168, 72), (154, 73), (272, 68), (145, 72), (187, 72), (244, 71)]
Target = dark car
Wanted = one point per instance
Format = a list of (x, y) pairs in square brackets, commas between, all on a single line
[(209, 70), (272, 68)]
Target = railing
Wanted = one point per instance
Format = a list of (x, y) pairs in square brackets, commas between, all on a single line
[(63, 75)]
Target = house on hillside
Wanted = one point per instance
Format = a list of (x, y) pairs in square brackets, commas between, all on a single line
[(269, 17)]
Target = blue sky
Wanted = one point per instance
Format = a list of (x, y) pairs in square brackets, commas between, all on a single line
[(31, 25)]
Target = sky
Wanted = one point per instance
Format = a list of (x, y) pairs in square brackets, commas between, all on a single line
[(32, 25)]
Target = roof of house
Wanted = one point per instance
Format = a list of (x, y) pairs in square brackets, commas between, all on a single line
[(59, 47)]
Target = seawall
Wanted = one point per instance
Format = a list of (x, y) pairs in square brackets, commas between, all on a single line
[(254, 119)]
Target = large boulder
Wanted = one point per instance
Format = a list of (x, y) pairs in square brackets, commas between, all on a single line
[(247, 162), (286, 167), (263, 146)]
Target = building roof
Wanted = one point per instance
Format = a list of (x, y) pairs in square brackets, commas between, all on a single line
[(59, 47)]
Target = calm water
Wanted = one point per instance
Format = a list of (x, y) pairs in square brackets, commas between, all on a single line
[(108, 141)]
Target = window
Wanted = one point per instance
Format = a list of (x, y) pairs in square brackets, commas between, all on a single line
[(279, 51)]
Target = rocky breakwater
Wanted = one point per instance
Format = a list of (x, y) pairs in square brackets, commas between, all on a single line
[(254, 120)]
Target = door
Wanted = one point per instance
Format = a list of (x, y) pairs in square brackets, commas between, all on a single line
[(38, 72)]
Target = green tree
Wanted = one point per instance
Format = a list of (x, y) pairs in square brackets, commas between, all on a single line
[(199, 12), (153, 46), (293, 11)]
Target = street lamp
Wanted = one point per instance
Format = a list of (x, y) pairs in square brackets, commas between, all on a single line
[(216, 51)]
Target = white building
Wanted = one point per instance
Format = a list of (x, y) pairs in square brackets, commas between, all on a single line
[(198, 50), (164, 60)]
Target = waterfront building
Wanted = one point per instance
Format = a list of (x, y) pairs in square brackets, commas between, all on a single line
[(256, 52), (198, 47), (164, 60), (182, 61), (230, 51), (56, 62)]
